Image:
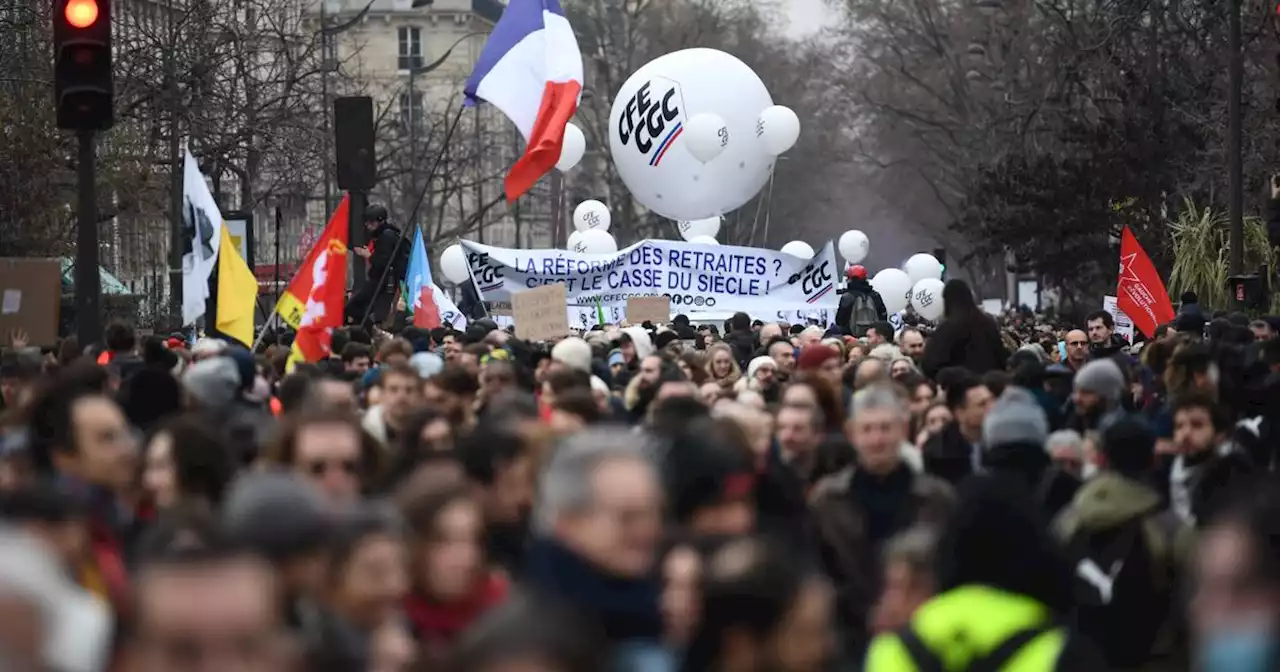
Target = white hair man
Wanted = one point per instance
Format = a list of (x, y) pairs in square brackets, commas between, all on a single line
[(812, 335), (597, 525), (851, 532)]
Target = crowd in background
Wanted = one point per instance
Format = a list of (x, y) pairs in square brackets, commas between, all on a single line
[(751, 496)]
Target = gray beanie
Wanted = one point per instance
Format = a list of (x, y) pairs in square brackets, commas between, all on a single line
[(1103, 377), (1016, 417), (213, 382), (277, 514)]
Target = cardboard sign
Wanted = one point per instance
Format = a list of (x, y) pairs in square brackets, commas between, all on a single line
[(30, 294), (655, 309), (540, 313)]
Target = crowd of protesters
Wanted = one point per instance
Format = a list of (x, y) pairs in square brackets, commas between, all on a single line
[(740, 497)]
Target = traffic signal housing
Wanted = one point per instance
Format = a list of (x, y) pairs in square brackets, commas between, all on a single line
[(83, 88), (940, 253)]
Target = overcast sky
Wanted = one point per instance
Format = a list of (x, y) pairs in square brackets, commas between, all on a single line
[(807, 16)]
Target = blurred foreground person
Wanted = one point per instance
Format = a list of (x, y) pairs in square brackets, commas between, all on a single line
[(597, 523), (1003, 590), (762, 612), (207, 608), (1235, 615), (529, 635)]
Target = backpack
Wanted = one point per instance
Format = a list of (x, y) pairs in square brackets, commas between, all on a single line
[(1124, 584), (926, 660), (864, 313)]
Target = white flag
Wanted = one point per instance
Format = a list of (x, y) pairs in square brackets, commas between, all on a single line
[(202, 233)]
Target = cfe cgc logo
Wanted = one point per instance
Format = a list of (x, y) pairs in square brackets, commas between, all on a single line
[(653, 119)]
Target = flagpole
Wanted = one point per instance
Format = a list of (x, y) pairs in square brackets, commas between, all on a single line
[(435, 166), (261, 334)]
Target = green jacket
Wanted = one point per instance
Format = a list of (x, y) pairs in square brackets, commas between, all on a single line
[(969, 622)]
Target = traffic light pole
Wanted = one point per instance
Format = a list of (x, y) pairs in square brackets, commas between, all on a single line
[(87, 278)]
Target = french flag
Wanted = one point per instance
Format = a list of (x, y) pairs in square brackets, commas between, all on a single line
[(531, 69)]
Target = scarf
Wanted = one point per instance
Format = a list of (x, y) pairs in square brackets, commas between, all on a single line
[(625, 608), (445, 622)]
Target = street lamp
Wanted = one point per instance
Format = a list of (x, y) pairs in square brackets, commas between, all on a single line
[(413, 99)]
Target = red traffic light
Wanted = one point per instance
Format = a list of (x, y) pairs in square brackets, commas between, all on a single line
[(81, 13)]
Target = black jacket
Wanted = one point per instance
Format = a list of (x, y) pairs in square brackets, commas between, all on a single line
[(972, 341), (844, 313), (948, 455), (383, 254)]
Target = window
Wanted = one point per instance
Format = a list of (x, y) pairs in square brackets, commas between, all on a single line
[(329, 56), (411, 110), (410, 48)]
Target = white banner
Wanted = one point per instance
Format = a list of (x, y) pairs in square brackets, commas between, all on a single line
[(1124, 325), (697, 278)]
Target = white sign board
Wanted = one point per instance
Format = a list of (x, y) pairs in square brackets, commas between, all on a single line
[(1124, 325)]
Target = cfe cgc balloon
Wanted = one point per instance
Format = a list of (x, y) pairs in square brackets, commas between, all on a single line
[(596, 241), (708, 227), (854, 246), (453, 263), (573, 239), (923, 266), (707, 136), (798, 248), (893, 286), (572, 149), (779, 129), (926, 298), (591, 215), (703, 240), (648, 128)]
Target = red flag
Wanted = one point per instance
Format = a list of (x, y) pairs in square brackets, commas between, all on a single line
[(323, 312), (293, 302), (1139, 291), (426, 314)]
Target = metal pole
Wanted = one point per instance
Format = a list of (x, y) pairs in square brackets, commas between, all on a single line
[(175, 180), (279, 222), (88, 282), (356, 235), (413, 138), (325, 107), (1235, 141)]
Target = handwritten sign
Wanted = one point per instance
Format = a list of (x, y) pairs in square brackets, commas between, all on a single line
[(655, 309), (1124, 324), (30, 291), (540, 313)]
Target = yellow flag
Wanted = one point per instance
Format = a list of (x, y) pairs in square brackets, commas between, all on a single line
[(237, 292)]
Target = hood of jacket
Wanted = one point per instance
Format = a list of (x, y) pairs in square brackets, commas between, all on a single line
[(1109, 499)]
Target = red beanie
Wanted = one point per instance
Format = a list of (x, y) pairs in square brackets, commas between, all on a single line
[(815, 356)]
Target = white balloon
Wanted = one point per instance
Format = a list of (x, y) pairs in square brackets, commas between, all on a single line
[(453, 263), (926, 298), (649, 142), (854, 246), (923, 266), (706, 136), (893, 286), (572, 149), (708, 227), (591, 215), (798, 248), (779, 129), (596, 241), (704, 240), (573, 240)]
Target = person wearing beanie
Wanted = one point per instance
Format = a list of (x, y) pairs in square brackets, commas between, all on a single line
[(1115, 504), (822, 360), (574, 353), (1013, 440), (1099, 388), (283, 518), (762, 377), (212, 384)]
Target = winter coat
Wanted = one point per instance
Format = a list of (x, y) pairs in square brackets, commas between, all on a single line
[(848, 554), (972, 341), (844, 312)]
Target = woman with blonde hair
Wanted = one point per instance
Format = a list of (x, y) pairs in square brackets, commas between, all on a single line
[(721, 367)]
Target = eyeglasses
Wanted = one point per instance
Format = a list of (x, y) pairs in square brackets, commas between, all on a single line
[(1077, 344), (321, 467)]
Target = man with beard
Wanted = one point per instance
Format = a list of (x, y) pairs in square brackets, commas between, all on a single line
[(387, 255), (654, 372), (1103, 340), (1099, 386)]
